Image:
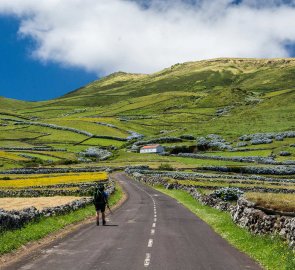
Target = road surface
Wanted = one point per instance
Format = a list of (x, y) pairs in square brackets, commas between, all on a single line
[(149, 231)]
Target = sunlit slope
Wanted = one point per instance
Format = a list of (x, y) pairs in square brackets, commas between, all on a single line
[(12, 104), (224, 96), (251, 75)]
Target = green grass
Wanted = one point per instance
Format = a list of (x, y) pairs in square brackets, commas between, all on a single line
[(19, 134), (271, 253), (102, 142), (260, 153), (89, 127), (39, 156), (182, 99), (12, 240)]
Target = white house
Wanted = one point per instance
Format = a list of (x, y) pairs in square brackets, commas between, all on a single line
[(153, 148)]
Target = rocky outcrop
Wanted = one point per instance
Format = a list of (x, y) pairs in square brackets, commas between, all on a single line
[(213, 141), (96, 152), (266, 138)]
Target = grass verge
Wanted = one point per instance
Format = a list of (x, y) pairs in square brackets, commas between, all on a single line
[(12, 240), (271, 253)]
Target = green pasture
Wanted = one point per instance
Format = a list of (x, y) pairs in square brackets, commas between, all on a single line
[(13, 143), (19, 134), (96, 142), (260, 153), (8, 164), (93, 128), (53, 135), (39, 156)]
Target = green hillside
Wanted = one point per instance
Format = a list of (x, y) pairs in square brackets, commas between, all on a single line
[(228, 97), (251, 75)]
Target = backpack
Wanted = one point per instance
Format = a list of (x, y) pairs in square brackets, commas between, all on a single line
[(99, 197)]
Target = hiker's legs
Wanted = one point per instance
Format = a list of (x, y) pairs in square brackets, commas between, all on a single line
[(103, 218), (97, 217)]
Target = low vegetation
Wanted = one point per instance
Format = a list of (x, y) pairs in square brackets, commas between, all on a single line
[(275, 201)]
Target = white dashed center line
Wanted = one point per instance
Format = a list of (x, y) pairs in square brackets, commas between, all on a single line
[(147, 259), (150, 243)]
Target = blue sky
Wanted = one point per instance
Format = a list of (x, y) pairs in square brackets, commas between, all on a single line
[(26, 78), (49, 48)]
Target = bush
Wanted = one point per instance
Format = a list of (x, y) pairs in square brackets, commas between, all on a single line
[(285, 154), (69, 162), (165, 167), (187, 137), (228, 194)]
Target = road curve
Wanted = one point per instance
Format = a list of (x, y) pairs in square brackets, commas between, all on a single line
[(150, 231)]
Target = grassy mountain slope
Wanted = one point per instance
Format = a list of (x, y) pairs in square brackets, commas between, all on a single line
[(251, 75), (229, 97)]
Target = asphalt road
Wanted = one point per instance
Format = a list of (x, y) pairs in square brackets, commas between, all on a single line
[(149, 231)]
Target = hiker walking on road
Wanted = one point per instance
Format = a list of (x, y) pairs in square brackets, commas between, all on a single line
[(100, 201)]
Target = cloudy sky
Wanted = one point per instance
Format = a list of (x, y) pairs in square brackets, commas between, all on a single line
[(50, 47)]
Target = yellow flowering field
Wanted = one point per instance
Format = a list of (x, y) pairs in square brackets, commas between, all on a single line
[(8, 155), (48, 180), (35, 176)]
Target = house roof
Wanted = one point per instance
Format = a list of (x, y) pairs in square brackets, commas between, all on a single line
[(150, 146)]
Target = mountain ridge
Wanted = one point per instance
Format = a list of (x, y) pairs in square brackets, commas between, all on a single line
[(196, 75)]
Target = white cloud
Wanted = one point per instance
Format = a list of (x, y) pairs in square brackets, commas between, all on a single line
[(110, 35)]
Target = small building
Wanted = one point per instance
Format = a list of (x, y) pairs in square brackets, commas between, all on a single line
[(153, 148)]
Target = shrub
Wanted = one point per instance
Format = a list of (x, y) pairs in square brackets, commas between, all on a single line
[(96, 153), (228, 194), (285, 153), (187, 137), (165, 167)]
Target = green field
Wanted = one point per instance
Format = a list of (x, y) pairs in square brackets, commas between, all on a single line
[(227, 97)]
